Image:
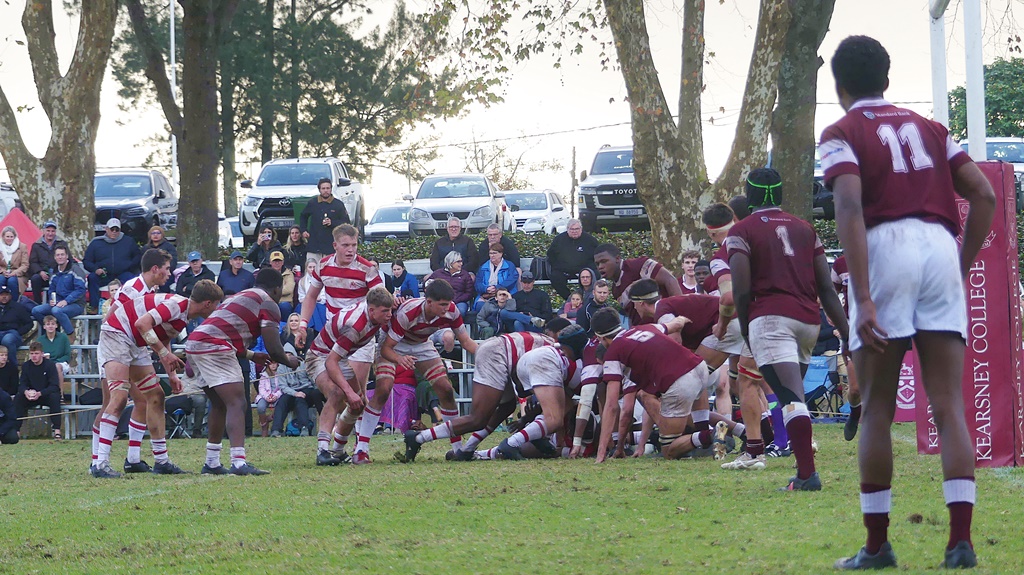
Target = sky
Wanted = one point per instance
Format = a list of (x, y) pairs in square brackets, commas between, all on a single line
[(548, 112)]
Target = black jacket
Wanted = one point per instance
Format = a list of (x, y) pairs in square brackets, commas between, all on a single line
[(167, 247), (9, 380), (187, 280), (462, 244), (535, 302), (321, 238), (42, 377), (8, 419), (588, 310), (569, 256), (260, 256), (15, 316), (511, 252), (40, 256)]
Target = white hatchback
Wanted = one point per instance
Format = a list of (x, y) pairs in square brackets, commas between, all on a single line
[(538, 211)]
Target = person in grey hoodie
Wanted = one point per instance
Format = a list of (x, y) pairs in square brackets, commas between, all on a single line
[(112, 255), (298, 393)]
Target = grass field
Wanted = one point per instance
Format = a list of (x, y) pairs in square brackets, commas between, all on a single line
[(625, 516)]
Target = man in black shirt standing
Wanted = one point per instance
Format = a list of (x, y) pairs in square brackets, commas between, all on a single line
[(39, 387), (494, 236), (570, 252), (319, 218)]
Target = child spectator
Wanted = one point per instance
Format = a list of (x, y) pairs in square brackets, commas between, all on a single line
[(56, 348), (573, 306), (487, 321), (299, 393), (112, 289), (270, 392)]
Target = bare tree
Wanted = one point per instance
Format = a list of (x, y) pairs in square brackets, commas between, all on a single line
[(58, 186)]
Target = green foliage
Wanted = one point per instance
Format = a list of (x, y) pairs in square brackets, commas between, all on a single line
[(826, 230), (1004, 101), (646, 515)]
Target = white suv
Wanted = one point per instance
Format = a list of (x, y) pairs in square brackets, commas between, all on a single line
[(608, 195), (1009, 150), (538, 211), (284, 182), (472, 198)]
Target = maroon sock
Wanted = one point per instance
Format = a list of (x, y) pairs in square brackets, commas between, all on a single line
[(701, 425), (877, 524), (702, 438), (855, 413), (755, 447), (799, 430), (766, 429), (960, 515)]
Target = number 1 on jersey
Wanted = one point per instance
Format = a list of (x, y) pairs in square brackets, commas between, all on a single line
[(783, 233)]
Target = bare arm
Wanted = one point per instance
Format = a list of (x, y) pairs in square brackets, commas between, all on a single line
[(338, 379), (465, 341), (609, 414), (171, 362), (272, 341), (739, 264), (829, 298), (625, 423), (973, 186), (668, 282)]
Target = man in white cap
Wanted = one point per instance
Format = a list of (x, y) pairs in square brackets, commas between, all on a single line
[(112, 255)]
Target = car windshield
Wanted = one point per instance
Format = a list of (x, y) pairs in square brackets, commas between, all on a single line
[(397, 214), (530, 201), (1012, 152), (111, 186), (434, 188), (293, 174), (613, 163)]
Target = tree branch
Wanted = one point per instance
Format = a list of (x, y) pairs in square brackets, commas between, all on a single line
[(691, 82), (37, 20), (98, 20), (155, 68), (16, 156)]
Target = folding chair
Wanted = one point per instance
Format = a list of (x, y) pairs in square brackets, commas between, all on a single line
[(820, 385), (177, 410)]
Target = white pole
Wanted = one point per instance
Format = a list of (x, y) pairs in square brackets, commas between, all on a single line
[(174, 85), (975, 81), (940, 101)]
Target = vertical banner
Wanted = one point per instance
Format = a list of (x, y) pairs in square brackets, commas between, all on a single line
[(906, 395), (991, 381)]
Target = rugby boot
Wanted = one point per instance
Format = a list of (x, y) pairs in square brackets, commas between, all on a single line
[(247, 469), (137, 467), (509, 452), (960, 557), (103, 471), (745, 461), (812, 483), (219, 470), (412, 447), (325, 457), (864, 560), (168, 468), (361, 458)]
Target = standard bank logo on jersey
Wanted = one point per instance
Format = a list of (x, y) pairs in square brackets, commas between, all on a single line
[(869, 115)]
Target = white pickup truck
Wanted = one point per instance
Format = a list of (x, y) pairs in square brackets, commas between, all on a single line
[(282, 183)]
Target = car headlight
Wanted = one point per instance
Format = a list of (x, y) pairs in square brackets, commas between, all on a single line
[(136, 211), (484, 212), (417, 214), (251, 201)]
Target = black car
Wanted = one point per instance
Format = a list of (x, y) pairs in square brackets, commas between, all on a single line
[(139, 198)]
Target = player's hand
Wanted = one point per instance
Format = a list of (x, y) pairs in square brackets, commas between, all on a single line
[(600, 456), (620, 451), (175, 382), (514, 427), (172, 363), (407, 361), (720, 330), (293, 362), (871, 334), (300, 339), (575, 451), (261, 358), (677, 324), (354, 400), (638, 453)]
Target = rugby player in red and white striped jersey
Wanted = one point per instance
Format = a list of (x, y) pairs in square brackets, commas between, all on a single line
[(213, 350), (346, 278), (327, 363), (134, 330)]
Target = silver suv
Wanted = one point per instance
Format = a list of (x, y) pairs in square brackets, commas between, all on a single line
[(472, 198)]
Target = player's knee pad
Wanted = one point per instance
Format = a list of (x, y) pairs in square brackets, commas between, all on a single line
[(385, 370), (118, 385), (668, 439), (436, 373), (148, 383), (349, 416), (751, 373)]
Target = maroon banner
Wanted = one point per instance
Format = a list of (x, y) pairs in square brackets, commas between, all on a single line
[(906, 395), (992, 365)]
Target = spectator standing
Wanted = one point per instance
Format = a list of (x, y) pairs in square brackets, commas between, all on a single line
[(56, 348), (158, 241), (533, 302), (196, 271), (234, 278), (8, 376), (112, 255), (15, 322), (319, 218), (40, 259), (295, 250), (454, 241), (405, 284), (570, 252), (8, 421), (65, 297), (494, 236), (39, 387), (494, 273), (266, 244), (460, 280), (688, 281), (13, 260), (287, 301)]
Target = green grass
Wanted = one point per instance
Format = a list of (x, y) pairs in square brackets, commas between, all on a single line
[(625, 516)]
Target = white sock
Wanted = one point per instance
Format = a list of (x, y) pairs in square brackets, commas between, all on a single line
[(95, 443), (323, 441), (213, 455), (108, 426), (237, 456), (437, 432), (456, 440), (533, 430), (339, 441), (476, 438), (159, 450), (365, 427), (136, 431), (486, 454), (739, 429)]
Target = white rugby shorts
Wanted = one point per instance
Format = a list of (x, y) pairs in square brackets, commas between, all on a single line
[(492, 369), (116, 346), (731, 344), (678, 400), (216, 368), (316, 364), (780, 339), (914, 268)]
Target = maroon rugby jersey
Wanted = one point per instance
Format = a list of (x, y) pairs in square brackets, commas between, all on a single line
[(409, 323), (781, 248), (634, 270), (702, 310), (345, 286), (169, 311), (345, 332), (686, 289), (719, 264), (236, 324), (591, 373), (905, 163), (653, 359)]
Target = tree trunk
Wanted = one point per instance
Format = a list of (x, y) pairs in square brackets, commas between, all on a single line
[(60, 185), (266, 87), (793, 136), (293, 88), (227, 130), (671, 175)]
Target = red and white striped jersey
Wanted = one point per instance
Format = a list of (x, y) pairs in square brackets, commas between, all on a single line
[(346, 286), (410, 324), (518, 343), (132, 289), (169, 311), (236, 323), (569, 371), (346, 332)]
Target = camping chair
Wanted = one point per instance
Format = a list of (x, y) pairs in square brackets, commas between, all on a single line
[(820, 394), (177, 410)]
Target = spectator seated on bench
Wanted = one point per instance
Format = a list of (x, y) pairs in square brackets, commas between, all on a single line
[(39, 387)]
